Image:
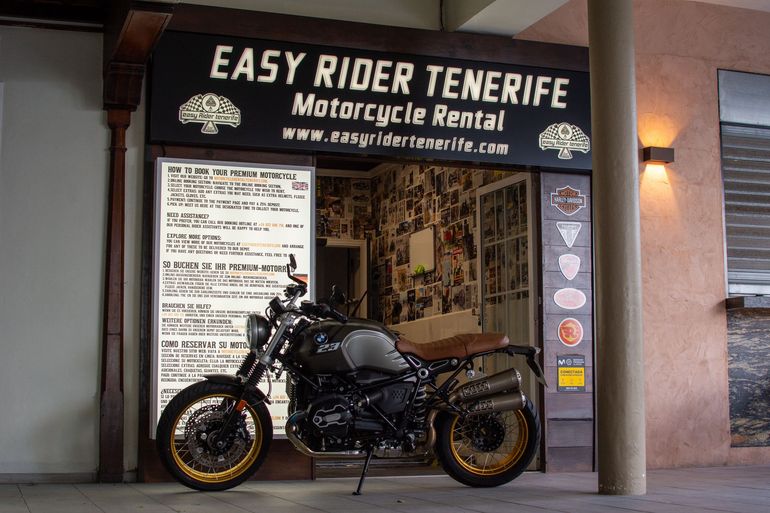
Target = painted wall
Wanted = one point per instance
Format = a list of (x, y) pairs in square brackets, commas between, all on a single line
[(53, 199), (679, 47)]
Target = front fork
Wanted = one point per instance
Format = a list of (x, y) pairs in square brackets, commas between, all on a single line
[(247, 379)]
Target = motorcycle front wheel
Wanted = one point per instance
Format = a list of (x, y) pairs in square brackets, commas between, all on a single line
[(490, 449), (189, 442)]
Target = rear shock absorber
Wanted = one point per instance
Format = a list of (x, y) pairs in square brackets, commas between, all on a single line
[(418, 407)]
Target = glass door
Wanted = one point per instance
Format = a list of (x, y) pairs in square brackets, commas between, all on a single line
[(505, 236)]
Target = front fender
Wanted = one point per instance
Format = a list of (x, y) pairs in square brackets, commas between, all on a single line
[(255, 395)]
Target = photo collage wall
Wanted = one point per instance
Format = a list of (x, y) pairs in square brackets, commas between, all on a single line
[(390, 207)]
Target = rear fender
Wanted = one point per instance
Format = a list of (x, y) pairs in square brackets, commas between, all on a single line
[(530, 353), (255, 396)]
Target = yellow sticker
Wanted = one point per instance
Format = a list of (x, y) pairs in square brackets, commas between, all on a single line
[(572, 377)]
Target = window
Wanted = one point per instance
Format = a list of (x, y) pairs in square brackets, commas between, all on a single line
[(744, 101)]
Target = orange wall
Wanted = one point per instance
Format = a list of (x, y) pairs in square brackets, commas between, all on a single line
[(679, 48)]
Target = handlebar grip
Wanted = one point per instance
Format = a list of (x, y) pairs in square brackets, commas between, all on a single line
[(323, 311), (338, 316)]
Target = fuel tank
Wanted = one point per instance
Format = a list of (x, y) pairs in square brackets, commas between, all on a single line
[(329, 347)]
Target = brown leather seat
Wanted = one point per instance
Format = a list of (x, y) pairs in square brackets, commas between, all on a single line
[(459, 346)]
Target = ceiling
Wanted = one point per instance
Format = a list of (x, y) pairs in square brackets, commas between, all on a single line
[(501, 17)]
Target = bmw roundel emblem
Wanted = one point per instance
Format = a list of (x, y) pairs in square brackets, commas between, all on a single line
[(321, 337)]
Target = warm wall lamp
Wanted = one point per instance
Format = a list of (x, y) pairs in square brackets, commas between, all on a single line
[(657, 155)]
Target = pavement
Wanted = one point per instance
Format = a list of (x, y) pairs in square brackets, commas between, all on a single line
[(727, 489)]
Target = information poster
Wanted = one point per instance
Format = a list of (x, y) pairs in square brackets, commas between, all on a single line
[(223, 235)]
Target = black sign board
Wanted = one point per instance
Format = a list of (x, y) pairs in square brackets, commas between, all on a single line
[(225, 91)]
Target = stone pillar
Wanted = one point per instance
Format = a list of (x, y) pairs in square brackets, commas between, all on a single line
[(620, 355)]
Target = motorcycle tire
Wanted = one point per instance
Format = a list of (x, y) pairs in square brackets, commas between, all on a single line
[(490, 449), (192, 417)]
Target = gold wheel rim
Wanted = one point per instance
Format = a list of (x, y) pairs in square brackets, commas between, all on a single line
[(179, 443), (494, 462)]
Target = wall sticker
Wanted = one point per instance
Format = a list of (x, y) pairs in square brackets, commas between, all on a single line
[(569, 299), (569, 265), (569, 231), (568, 200), (570, 332), (572, 373)]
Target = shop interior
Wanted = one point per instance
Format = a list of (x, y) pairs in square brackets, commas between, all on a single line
[(448, 250)]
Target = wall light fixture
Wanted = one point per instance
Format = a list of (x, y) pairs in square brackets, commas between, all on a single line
[(657, 155)]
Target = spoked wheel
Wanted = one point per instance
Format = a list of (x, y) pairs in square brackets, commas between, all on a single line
[(490, 449), (196, 450)]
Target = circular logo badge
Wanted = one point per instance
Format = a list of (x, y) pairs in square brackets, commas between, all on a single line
[(565, 131), (321, 337), (210, 102), (570, 332)]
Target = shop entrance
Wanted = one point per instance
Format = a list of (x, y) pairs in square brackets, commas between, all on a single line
[(475, 271), (541, 293)]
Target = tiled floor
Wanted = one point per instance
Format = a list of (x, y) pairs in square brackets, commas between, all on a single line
[(733, 489)]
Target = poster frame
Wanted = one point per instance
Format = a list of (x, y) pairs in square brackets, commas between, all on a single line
[(157, 166)]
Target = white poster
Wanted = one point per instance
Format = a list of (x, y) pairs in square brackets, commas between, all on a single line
[(223, 235)]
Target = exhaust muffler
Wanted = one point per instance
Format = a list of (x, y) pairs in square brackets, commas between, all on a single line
[(501, 402), (506, 381)]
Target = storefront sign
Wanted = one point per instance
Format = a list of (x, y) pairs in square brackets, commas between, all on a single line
[(253, 93), (223, 235), (571, 373)]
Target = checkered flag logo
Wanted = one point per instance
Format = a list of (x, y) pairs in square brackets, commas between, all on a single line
[(566, 138), (211, 110)]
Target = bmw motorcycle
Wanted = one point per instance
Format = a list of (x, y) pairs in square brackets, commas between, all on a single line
[(356, 390)]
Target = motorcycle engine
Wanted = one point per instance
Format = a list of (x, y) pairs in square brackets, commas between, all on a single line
[(337, 420), (330, 415)]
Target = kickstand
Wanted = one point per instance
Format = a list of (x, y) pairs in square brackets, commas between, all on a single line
[(369, 453)]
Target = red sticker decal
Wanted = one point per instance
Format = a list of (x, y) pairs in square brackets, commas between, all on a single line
[(570, 332)]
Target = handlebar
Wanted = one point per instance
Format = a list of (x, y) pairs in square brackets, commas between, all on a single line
[(323, 311), (299, 289)]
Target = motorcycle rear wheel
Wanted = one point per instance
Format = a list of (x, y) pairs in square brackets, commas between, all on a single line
[(488, 450), (192, 418)]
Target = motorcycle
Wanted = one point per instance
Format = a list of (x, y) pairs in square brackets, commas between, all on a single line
[(356, 390)]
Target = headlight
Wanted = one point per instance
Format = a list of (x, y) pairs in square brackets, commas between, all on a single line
[(257, 331)]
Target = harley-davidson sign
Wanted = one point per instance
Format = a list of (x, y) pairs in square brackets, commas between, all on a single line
[(281, 95), (568, 200)]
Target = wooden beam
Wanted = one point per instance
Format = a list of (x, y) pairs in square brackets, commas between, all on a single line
[(111, 401), (131, 32)]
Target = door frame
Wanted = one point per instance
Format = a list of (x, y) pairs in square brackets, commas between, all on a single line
[(361, 278), (532, 241)]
